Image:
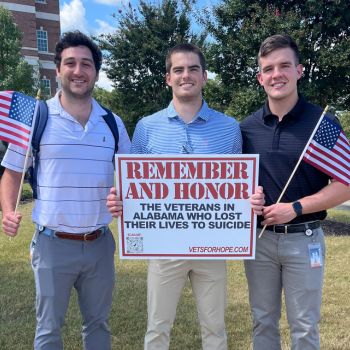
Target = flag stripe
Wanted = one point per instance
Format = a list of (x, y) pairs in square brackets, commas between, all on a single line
[(330, 172), (319, 159), (336, 156), (5, 111), (343, 144), (13, 141), (6, 122), (6, 96), (16, 137), (7, 93), (324, 152), (4, 106), (13, 133)]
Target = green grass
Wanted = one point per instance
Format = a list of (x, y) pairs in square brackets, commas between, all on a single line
[(339, 215), (128, 316), (27, 194)]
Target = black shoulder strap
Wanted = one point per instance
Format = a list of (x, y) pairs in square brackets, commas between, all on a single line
[(111, 122), (39, 127)]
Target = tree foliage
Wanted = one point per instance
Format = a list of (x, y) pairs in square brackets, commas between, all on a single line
[(135, 54), (108, 99), (344, 118), (320, 27), (15, 73)]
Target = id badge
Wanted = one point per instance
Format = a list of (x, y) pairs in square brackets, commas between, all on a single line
[(315, 255)]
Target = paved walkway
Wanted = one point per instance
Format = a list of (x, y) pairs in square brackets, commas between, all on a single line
[(344, 206)]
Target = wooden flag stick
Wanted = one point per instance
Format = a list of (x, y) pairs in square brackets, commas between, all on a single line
[(28, 150), (298, 163)]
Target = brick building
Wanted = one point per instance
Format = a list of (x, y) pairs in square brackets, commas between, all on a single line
[(39, 22)]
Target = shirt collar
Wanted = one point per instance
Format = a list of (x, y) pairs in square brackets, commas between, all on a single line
[(203, 113), (56, 108), (294, 113), (55, 104)]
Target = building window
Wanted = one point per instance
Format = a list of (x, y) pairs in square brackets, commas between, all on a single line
[(41, 38), (40, 1), (46, 84)]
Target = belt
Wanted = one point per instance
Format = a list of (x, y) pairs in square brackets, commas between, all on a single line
[(306, 227), (89, 236)]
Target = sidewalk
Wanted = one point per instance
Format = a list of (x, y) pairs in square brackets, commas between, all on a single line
[(344, 206)]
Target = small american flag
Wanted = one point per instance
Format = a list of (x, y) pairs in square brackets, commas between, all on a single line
[(16, 117), (329, 151)]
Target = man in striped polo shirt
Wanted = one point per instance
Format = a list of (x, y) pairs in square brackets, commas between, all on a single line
[(72, 245), (187, 125)]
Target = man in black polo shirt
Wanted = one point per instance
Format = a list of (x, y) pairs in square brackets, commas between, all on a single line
[(289, 257)]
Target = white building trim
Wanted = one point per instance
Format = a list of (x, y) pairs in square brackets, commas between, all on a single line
[(48, 16), (29, 48), (32, 60), (35, 61), (47, 64), (18, 7), (46, 53)]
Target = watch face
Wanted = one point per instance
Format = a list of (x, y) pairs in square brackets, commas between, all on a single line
[(297, 208)]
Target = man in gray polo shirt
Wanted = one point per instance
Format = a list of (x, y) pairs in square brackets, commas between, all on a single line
[(72, 245)]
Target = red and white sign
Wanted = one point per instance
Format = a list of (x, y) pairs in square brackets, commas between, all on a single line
[(186, 206)]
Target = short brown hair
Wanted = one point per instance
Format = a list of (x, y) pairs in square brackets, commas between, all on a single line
[(279, 41), (184, 47)]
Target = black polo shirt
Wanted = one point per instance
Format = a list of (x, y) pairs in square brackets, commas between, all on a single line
[(280, 145)]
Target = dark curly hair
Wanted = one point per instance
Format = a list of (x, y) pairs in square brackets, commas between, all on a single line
[(77, 38)]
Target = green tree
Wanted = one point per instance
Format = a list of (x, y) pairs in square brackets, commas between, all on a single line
[(111, 100), (344, 118), (320, 27), (15, 73), (135, 54), (108, 99)]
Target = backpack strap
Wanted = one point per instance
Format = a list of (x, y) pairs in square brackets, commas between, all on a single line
[(112, 124), (39, 127)]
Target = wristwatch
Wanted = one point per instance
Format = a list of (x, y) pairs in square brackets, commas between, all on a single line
[(297, 208)]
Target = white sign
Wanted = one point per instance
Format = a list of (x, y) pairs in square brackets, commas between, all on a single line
[(186, 206)]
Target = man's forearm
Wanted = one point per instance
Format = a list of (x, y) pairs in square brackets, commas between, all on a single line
[(330, 196), (10, 183)]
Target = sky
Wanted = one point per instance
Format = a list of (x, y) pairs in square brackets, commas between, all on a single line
[(94, 17)]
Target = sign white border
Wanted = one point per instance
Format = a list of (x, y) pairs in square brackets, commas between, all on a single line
[(186, 206)]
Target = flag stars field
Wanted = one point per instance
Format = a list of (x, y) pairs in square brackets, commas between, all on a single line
[(16, 117), (22, 108)]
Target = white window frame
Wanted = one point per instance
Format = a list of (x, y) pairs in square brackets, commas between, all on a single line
[(43, 40), (46, 83)]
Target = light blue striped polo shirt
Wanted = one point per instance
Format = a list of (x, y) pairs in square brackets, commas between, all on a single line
[(75, 170), (165, 132)]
